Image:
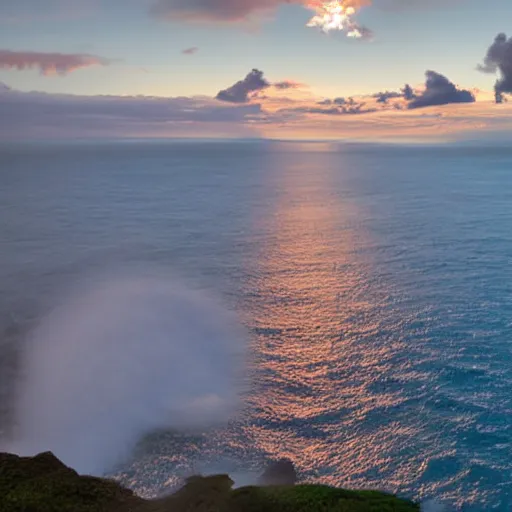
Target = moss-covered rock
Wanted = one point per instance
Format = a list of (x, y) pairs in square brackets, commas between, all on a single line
[(44, 484)]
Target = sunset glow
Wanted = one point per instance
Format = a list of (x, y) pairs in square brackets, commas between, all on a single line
[(293, 83), (336, 15)]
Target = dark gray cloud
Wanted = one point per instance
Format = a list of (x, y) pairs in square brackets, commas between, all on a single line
[(243, 90), (287, 84), (190, 51), (383, 97), (499, 59), (408, 92), (49, 63), (338, 101), (440, 91)]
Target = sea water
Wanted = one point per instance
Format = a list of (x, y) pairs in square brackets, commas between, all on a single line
[(374, 284)]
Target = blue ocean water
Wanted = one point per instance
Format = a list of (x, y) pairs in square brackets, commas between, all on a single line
[(376, 282)]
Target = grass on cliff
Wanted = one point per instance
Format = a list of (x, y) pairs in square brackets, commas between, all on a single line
[(44, 484), (305, 498), (214, 494)]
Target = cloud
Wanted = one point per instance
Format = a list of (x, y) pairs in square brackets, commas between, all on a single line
[(37, 114), (49, 63), (499, 59), (442, 124), (336, 107), (337, 101), (243, 90), (383, 97), (232, 11), (440, 91), (406, 93), (190, 51), (213, 10), (287, 84)]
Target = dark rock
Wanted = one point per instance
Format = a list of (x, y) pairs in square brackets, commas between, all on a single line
[(44, 484), (199, 494), (281, 472)]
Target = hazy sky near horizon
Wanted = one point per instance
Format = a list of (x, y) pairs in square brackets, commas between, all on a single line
[(450, 37), (171, 67)]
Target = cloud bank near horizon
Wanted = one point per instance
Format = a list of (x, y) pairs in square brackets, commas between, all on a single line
[(282, 112), (61, 115), (49, 63)]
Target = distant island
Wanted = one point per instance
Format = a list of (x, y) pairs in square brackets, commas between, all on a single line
[(44, 484)]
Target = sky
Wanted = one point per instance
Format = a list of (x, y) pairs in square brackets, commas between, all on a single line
[(143, 52)]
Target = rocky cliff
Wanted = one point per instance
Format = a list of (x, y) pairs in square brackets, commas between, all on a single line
[(44, 484)]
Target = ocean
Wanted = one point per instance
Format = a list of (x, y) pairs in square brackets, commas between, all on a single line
[(375, 283)]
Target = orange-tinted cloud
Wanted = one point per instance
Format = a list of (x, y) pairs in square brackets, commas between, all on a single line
[(231, 10), (214, 10), (49, 63), (242, 10)]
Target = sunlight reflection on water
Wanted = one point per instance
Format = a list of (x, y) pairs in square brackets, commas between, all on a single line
[(319, 366)]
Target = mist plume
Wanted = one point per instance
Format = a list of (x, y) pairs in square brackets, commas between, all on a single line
[(119, 359)]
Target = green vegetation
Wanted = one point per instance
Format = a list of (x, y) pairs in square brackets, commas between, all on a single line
[(309, 498), (44, 484)]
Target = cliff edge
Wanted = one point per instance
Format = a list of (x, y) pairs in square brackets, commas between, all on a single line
[(44, 484)]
